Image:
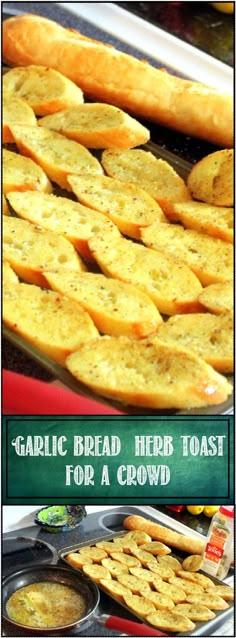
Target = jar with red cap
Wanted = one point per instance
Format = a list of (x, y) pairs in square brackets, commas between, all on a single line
[(217, 554)]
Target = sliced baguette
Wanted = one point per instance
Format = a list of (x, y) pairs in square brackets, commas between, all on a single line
[(170, 621), (218, 298), (44, 89), (30, 250), (54, 324), (210, 258), (198, 613), (142, 168), (97, 125), (15, 110), (22, 174), (77, 560), (211, 179), (133, 583), (140, 605), (61, 215), (56, 155), (172, 286), (160, 601), (212, 220), (208, 336), (148, 373), (129, 206), (209, 600), (117, 308)]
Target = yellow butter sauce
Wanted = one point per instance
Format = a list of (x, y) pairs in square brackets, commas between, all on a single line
[(46, 604)]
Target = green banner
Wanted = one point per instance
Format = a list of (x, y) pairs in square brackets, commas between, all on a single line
[(117, 460)]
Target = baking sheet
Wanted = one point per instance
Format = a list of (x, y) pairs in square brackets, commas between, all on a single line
[(179, 164), (201, 629)]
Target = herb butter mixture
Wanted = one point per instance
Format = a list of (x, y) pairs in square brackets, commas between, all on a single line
[(46, 604)]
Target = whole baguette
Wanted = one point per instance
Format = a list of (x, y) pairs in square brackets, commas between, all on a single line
[(165, 535), (106, 74)]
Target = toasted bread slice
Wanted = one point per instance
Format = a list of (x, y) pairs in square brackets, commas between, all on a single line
[(156, 548), (192, 563), (9, 276), (209, 600), (188, 586), (172, 286), (44, 89), (154, 175), (23, 174), (115, 567), (117, 308), (108, 546), (170, 561), (97, 572), (15, 110), (148, 373), (160, 601), (30, 250), (129, 206), (210, 258), (98, 125), (126, 559), (199, 613), (78, 560), (61, 215), (96, 553), (144, 574), (133, 583), (115, 588), (138, 537), (218, 298), (52, 323), (138, 604), (199, 579), (128, 544), (176, 594), (224, 591), (5, 207), (212, 220), (212, 178), (162, 570), (56, 155), (144, 557), (208, 336), (170, 621)]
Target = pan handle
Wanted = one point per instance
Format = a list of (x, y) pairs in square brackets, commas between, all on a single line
[(128, 626)]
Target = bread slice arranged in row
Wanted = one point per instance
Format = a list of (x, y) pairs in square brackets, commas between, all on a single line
[(51, 322), (171, 284), (15, 110), (218, 298), (63, 216), (30, 250), (44, 89), (156, 176), (211, 179), (23, 174), (130, 207), (147, 373), (116, 307), (210, 258), (57, 155), (209, 336), (217, 221), (97, 125)]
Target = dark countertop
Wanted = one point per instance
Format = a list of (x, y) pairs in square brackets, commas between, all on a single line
[(195, 22)]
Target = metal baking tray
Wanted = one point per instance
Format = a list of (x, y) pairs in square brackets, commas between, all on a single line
[(201, 628), (183, 168)]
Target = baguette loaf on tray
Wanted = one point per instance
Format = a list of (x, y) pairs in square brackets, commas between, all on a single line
[(103, 73), (165, 535)]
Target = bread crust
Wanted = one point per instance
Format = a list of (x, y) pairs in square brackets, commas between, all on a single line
[(106, 74)]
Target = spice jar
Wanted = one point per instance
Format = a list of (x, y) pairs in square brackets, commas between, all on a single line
[(217, 554)]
